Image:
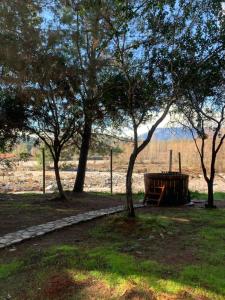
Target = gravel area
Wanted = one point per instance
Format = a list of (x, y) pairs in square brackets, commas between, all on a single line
[(95, 181)]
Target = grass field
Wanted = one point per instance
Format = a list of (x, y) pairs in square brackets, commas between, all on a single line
[(203, 196), (165, 253)]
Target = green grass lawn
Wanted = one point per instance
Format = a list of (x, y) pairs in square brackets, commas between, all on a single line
[(165, 253), (140, 196), (203, 196)]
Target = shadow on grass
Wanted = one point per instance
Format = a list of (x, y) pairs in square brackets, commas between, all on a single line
[(116, 274)]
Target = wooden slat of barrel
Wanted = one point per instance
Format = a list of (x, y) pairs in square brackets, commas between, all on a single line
[(176, 186)]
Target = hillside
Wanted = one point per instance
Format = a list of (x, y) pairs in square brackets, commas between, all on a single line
[(172, 133)]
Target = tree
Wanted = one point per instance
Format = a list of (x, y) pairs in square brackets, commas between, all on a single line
[(53, 113), (202, 86), (145, 56), (137, 102), (34, 62), (87, 38), (18, 30), (12, 118), (206, 121), (79, 40)]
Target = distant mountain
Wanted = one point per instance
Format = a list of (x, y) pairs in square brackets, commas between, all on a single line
[(173, 133)]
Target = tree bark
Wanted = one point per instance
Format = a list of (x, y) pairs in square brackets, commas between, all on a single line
[(210, 182), (136, 150), (85, 144), (58, 179), (210, 203), (130, 207)]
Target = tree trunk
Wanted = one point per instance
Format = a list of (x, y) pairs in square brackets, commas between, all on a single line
[(130, 206), (58, 179), (85, 144), (210, 203)]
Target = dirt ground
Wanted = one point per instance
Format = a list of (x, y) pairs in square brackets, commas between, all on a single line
[(79, 233), (98, 181), (21, 211)]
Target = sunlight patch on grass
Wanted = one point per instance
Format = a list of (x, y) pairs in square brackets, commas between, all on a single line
[(205, 277), (170, 286), (212, 234), (104, 258), (181, 220), (78, 275)]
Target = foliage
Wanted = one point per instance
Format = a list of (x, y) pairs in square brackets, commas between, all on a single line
[(18, 23), (74, 68), (205, 115), (12, 118), (101, 144), (7, 163), (21, 151), (202, 87), (53, 113), (39, 157), (144, 83)]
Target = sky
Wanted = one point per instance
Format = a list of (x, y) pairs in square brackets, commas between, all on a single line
[(223, 6), (145, 127)]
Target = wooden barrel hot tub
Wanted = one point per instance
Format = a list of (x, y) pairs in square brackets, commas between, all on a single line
[(166, 188)]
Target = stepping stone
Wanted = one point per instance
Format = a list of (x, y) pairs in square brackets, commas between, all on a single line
[(39, 230)]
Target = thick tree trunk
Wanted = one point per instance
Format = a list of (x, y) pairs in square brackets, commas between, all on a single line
[(130, 206), (58, 179), (85, 144), (210, 203)]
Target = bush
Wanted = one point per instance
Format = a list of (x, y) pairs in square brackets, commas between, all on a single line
[(39, 159)]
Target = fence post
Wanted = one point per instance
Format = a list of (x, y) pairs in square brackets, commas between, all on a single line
[(111, 171), (179, 157), (43, 168), (170, 160)]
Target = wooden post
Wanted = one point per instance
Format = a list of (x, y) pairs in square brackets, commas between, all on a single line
[(111, 171), (43, 168), (170, 160), (179, 157)]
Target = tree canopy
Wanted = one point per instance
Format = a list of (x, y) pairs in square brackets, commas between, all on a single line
[(72, 68)]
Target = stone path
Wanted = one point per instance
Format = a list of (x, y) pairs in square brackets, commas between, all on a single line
[(39, 230)]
